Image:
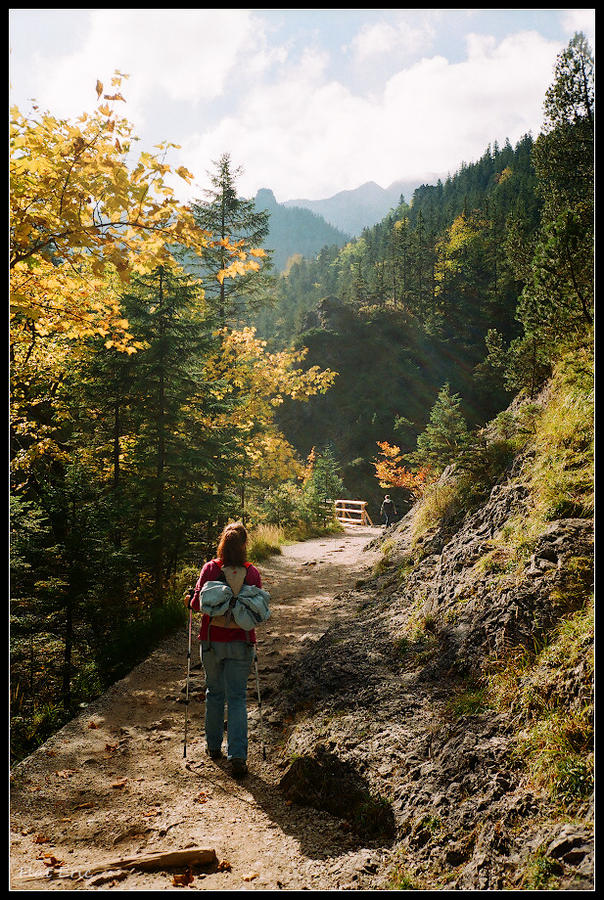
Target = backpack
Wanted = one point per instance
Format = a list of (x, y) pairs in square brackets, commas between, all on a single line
[(246, 604)]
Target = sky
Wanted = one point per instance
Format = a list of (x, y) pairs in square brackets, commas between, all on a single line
[(307, 102)]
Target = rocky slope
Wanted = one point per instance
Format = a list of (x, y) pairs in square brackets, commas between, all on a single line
[(396, 728)]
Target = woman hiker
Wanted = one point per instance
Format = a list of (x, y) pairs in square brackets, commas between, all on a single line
[(227, 651)]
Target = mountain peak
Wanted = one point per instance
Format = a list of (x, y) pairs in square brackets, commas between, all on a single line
[(353, 210), (265, 198)]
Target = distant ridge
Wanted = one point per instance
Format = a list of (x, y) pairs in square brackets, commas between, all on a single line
[(351, 211), (294, 230)]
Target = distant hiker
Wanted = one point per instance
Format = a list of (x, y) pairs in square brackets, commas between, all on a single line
[(227, 650), (388, 510)]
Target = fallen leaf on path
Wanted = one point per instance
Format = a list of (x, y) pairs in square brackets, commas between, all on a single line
[(224, 866), (151, 812), (84, 806), (41, 839), (122, 782), (251, 876), (202, 797), (66, 773), (92, 725), (52, 861), (183, 880)]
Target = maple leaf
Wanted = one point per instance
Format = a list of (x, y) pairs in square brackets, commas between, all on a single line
[(184, 173)]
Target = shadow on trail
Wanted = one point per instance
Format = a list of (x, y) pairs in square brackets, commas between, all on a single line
[(320, 801)]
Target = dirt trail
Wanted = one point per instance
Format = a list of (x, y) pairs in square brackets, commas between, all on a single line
[(113, 783)]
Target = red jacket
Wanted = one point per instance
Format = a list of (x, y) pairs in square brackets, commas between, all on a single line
[(212, 571)]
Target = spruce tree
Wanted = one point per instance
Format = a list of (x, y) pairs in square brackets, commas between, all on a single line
[(446, 434), (231, 218)]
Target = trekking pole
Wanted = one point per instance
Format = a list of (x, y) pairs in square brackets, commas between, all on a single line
[(191, 590), (259, 703)]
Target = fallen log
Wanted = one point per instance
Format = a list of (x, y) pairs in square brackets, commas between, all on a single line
[(160, 859)]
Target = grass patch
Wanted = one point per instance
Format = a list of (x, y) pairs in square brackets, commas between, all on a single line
[(556, 748), (563, 469), (401, 878), (265, 541), (385, 560), (554, 741), (440, 503), (476, 471), (469, 703), (542, 872)]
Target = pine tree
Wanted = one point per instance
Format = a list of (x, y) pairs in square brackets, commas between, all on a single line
[(323, 484), (176, 457), (557, 303), (230, 217), (446, 434)]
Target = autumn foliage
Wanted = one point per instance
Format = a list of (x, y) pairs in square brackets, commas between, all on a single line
[(390, 472), (86, 214)]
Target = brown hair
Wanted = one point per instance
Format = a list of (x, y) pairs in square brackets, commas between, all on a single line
[(232, 544)]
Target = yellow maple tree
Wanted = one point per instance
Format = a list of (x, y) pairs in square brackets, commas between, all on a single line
[(84, 215), (245, 370)]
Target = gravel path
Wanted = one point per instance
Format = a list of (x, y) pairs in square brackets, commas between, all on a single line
[(113, 783)]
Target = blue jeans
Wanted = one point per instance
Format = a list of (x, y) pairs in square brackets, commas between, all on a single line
[(227, 666)]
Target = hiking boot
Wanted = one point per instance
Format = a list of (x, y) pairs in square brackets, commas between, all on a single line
[(214, 754), (238, 768)]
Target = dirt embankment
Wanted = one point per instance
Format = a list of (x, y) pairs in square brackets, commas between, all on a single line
[(113, 783)]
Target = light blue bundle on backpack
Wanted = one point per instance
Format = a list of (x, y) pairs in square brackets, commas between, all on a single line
[(249, 608)]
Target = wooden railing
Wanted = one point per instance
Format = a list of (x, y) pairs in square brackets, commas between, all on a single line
[(352, 512)]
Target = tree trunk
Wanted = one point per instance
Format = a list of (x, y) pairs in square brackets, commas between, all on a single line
[(67, 655), (161, 454)]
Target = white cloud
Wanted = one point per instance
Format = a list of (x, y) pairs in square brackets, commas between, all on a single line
[(581, 20), (383, 38), (187, 55), (306, 136), (213, 81)]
